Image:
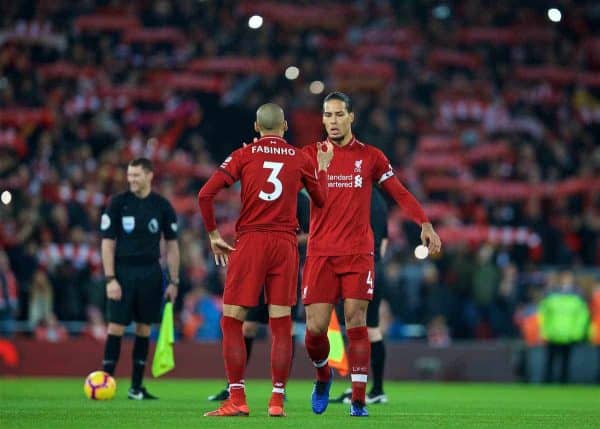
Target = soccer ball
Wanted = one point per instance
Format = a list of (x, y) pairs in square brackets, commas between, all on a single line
[(99, 385)]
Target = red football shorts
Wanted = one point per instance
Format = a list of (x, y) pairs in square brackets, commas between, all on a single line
[(326, 279), (262, 259)]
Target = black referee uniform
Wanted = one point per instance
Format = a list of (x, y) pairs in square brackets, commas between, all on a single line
[(137, 224), (132, 227), (379, 215)]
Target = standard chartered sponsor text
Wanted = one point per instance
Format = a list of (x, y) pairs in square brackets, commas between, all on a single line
[(340, 181)]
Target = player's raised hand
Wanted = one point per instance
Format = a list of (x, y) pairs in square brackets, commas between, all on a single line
[(220, 248), (430, 239), (324, 154)]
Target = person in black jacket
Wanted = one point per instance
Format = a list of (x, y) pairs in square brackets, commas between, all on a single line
[(132, 227)]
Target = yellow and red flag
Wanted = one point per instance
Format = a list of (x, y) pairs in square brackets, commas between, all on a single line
[(337, 351)]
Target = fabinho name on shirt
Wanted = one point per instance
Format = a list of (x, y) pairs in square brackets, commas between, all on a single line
[(289, 151)]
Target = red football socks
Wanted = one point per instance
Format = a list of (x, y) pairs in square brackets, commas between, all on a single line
[(281, 355), (317, 347), (234, 354), (359, 354)]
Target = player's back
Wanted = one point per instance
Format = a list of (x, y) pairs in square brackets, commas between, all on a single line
[(271, 173)]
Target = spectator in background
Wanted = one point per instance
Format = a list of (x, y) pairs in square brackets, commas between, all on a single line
[(486, 279), (201, 315), (459, 279), (595, 326), (438, 335), (51, 330), (435, 295), (95, 328), (8, 297), (564, 318), (41, 299)]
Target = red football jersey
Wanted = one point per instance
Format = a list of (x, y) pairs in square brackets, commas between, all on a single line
[(271, 172), (342, 226)]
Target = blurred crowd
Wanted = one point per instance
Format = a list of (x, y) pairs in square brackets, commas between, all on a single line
[(490, 114)]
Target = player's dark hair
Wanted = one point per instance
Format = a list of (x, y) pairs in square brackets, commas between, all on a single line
[(145, 163), (336, 95)]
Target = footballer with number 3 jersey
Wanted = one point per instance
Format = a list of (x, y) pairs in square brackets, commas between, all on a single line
[(339, 261), (265, 252)]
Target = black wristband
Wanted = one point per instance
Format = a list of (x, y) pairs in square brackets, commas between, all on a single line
[(171, 280), (109, 278)]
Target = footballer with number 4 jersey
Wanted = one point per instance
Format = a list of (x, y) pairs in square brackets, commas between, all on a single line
[(265, 252), (339, 263)]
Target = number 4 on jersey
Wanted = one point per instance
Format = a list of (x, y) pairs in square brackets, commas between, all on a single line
[(370, 283), (275, 168)]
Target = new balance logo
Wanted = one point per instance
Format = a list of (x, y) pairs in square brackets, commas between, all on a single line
[(226, 162), (370, 291)]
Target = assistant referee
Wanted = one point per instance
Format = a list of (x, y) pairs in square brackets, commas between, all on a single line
[(131, 228)]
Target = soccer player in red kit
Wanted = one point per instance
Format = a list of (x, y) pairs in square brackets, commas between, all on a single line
[(339, 261), (265, 252)]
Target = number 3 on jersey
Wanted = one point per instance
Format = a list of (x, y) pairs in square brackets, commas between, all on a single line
[(275, 168)]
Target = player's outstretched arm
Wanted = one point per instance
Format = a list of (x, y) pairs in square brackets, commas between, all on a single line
[(413, 210)]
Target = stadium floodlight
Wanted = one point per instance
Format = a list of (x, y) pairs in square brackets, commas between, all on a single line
[(6, 197), (421, 252), (255, 22), (554, 14), (292, 72), (316, 87), (441, 12)]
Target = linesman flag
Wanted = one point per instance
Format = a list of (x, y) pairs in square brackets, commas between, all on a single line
[(164, 360), (337, 351)]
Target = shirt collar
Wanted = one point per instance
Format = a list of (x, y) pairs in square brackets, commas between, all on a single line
[(351, 143), (271, 137)]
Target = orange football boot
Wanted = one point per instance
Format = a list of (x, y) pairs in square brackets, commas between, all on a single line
[(229, 409)]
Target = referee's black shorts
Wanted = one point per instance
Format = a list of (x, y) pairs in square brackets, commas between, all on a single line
[(260, 313), (141, 294), (378, 293)]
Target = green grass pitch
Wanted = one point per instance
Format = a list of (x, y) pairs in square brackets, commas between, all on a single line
[(60, 403)]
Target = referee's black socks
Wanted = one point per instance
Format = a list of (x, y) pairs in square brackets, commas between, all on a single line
[(112, 349), (140, 353), (377, 365)]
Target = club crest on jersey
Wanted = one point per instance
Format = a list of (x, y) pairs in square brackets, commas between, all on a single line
[(153, 226), (358, 166), (358, 181), (128, 223)]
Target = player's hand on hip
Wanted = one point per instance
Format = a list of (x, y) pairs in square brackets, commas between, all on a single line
[(113, 290), (430, 239), (220, 248), (171, 292), (324, 154)]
